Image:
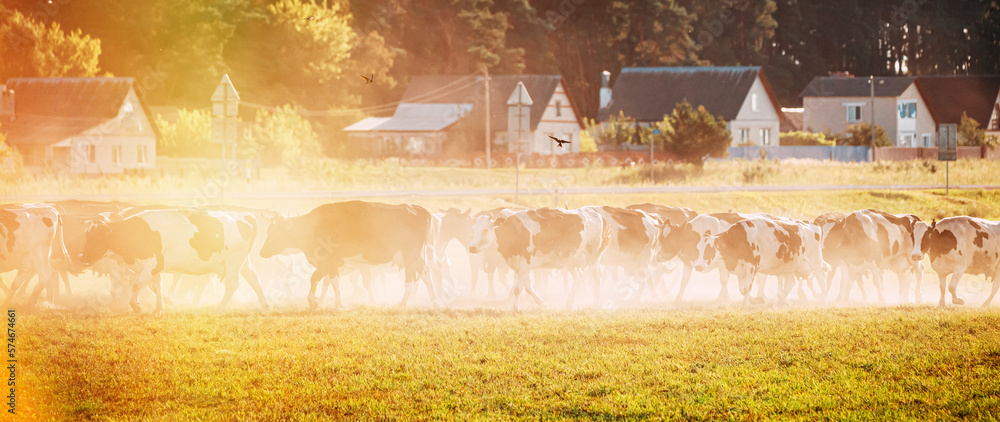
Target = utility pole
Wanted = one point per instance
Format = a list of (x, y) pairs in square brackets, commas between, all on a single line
[(486, 80), (871, 82)]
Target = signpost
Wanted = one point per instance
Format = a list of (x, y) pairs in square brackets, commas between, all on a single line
[(656, 131), (518, 126), (225, 108), (947, 149)]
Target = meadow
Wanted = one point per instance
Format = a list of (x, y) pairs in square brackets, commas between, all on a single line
[(698, 361), (852, 363)]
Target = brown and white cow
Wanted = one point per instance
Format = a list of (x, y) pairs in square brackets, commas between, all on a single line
[(186, 241), (30, 242), (487, 259), (632, 238), (871, 241), (782, 248), (958, 246), (369, 233), (686, 241), (571, 240)]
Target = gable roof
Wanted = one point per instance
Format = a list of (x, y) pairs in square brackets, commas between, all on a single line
[(947, 97), (414, 117), (49, 110), (469, 89), (847, 86), (649, 93)]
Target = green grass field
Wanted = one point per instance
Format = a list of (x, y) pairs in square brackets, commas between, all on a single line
[(653, 362), (857, 363)]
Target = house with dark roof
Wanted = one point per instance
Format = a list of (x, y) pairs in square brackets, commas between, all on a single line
[(908, 108), (77, 125), (742, 96), (446, 113), (947, 97)]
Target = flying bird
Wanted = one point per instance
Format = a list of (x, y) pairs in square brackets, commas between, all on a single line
[(559, 142), (369, 79)]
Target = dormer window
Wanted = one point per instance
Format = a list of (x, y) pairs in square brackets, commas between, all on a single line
[(754, 104), (558, 108)]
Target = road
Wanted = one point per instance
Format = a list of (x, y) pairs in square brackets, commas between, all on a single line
[(334, 194)]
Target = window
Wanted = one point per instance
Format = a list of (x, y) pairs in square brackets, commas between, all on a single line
[(558, 108), (765, 136), (853, 113), (925, 140), (744, 135), (116, 154), (91, 153), (907, 109), (753, 102), (140, 154)]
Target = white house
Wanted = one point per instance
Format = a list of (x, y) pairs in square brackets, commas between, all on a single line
[(908, 108), (446, 113), (740, 95), (77, 125)]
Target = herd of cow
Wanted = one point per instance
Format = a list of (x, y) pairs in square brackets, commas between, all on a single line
[(134, 245)]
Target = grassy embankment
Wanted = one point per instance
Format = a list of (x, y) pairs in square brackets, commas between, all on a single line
[(202, 188), (368, 364)]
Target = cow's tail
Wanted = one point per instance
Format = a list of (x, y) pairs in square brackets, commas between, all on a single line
[(605, 235), (57, 251)]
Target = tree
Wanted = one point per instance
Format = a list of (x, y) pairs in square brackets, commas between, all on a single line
[(691, 134), (11, 163), (617, 131), (971, 134), (280, 137), (860, 135), (189, 136), (805, 139), (32, 49)]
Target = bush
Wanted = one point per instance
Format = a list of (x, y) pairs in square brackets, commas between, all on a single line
[(281, 137), (692, 135), (808, 139), (618, 130), (860, 135), (11, 163), (189, 136), (970, 134)]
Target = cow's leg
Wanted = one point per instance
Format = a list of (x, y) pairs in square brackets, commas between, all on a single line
[(366, 280), (154, 285), (759, 300), (996, 286), (918, 279), (878, 281), (316, 277), (475, 267), (955, 278), (531, 292), (943, 282), (523, 279), (685, 278), (723, 286), (251, 276), (20, 278)]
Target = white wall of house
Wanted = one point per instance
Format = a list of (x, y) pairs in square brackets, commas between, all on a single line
[(125, 142), (993, 126), (830, 113), (559, 120), (756, 119), (917, 131)]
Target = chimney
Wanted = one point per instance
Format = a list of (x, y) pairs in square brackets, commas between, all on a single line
[(6, 103), (605, 89)]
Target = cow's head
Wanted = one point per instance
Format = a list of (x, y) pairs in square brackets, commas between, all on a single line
[(278, 237), (921, 235), (483, 235), (457, 225), (671, 239), (97, 241), (708, 252)]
